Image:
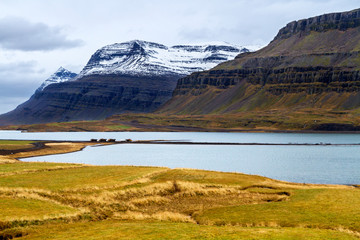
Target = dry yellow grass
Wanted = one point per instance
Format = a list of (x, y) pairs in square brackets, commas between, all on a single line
[(148, 198), (126, 193), (162, 216), (6, 159), (138, 202), (145, 178)]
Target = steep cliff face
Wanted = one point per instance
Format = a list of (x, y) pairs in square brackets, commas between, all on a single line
[(135, 76), (334, 21), (93, 97), (310, 63)]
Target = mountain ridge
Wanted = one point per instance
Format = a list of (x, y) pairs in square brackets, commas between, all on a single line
[(310, 68), (139, 57), (119, 78), (340, 20)]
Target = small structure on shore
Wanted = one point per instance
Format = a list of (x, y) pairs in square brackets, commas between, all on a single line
[(103, 140), (128, 140)]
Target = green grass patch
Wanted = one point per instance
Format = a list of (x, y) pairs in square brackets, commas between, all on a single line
[(29, 209), (112, 229), (118, 127), (320, 208), (32, 166), (85, 177), (15, 142), (210, 177)]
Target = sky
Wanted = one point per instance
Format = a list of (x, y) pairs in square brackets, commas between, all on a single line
[(39, 36)]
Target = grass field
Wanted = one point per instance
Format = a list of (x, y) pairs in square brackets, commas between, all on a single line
[(31, 209), (23, 167), (74, 201), (316, 208), (74, 177), (153, 230), (14, 145), (14, 142)]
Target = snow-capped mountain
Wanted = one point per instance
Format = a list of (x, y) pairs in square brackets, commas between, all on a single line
[(61, 75), (130, 77), (146, 58)]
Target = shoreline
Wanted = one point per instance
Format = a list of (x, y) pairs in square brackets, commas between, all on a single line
[(193, 129), (43, 148), (174, 142), (41, 144), (51, 148)]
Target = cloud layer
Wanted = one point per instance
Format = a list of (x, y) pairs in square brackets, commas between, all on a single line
[(18, 81), (19, 34)]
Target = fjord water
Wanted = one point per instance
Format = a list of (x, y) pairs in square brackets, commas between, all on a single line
[(189, 136), (304, 164)]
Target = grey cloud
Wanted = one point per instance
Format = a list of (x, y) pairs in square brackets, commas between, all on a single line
[(22, 89), (19, 79), (19, 34), (18, 82), (13, 94), (197, 34), (10, 103), (24, 67)]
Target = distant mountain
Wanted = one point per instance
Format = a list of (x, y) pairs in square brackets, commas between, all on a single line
[(152, 59), (311, 64), (61, 75), (135, 76)]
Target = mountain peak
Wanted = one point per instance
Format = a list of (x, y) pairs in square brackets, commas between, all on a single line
[(61, 69), (61, 75), (138, 57)]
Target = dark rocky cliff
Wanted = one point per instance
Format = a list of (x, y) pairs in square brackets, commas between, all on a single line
[(340, 21), (94, 97), (310, 63)]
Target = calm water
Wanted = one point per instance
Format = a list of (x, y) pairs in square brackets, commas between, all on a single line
[(308, 164), (189, 136)]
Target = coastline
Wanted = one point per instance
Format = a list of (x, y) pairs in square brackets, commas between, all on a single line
[(80, 145), (76, 146), (47, 148), (44, 148), (143, 195), (182, 129)]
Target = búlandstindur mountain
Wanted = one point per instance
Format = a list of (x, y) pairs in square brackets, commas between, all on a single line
[(135, 76)]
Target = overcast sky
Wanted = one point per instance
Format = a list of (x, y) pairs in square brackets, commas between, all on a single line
[(39, 36)]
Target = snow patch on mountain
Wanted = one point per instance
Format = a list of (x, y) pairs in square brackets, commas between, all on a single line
[(61, 75), (147, 58)]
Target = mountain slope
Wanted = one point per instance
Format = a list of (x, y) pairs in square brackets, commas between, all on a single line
[(135, 76), (311, 63)]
